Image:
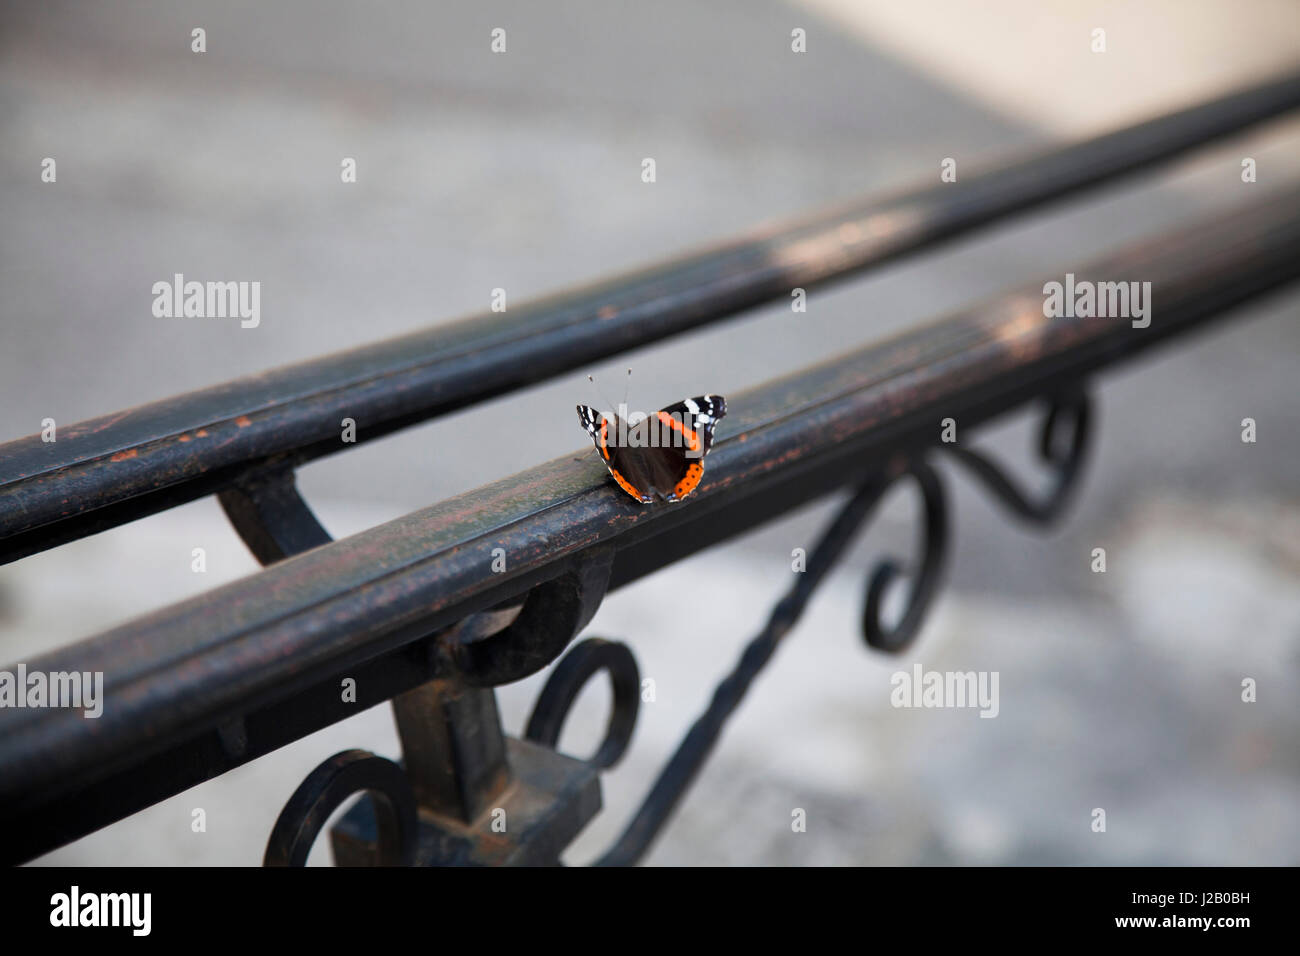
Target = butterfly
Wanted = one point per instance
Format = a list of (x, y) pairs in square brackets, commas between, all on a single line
[(662, 453)]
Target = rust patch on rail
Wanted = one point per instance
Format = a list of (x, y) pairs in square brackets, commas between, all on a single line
[(124, 455), (1021, 332), (243, 421)]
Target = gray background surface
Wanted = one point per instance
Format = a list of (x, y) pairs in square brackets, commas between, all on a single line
[(522, 171)]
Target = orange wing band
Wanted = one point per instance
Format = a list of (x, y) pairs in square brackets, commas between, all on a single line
[(688, 484), (625, 484), (692, 439)]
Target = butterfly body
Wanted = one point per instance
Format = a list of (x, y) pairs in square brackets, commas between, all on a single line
[(662, 454)]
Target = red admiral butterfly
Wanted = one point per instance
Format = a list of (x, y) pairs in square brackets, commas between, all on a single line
[(663, 453)]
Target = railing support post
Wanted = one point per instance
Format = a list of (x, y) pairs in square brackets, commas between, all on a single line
[(455, 754)]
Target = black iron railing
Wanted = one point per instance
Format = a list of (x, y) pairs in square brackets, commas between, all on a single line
[(413, 610)]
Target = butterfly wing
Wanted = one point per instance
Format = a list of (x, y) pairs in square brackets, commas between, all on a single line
[(673, 469), (603, 432), (597, 427), (695, 418), (700, 415)]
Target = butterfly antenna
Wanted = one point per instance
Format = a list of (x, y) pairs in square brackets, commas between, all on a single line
[(603, 397), (627, 385)]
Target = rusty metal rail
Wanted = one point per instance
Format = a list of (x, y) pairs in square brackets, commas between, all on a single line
[(413, 611), (115, 469)]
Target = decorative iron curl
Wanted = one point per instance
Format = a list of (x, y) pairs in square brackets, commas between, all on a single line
[(324, 791), (569, 677), (1065, 452), (934, 548)]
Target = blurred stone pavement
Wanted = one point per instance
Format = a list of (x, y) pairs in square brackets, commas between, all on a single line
[(1118, 690)]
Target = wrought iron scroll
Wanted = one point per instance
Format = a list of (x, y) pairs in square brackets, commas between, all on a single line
[(326, 788), (570, 675), (1062, 444), (934, 550), (552, 614)]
